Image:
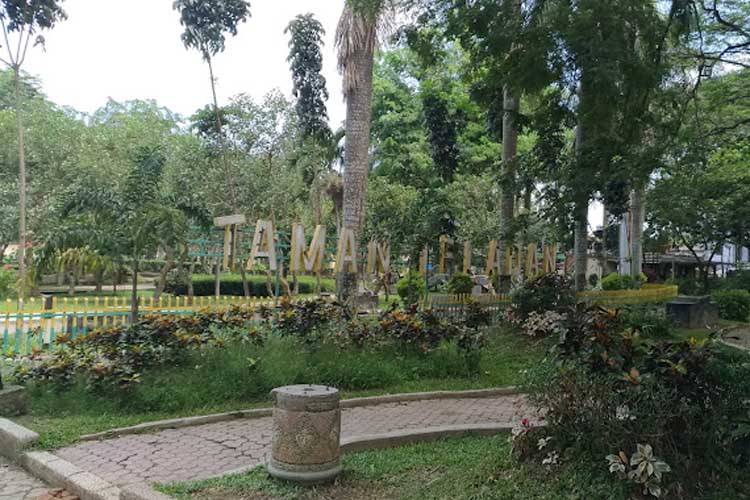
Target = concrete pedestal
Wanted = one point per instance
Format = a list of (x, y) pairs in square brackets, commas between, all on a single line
[(306, 434), (693, 312), (12, 401)]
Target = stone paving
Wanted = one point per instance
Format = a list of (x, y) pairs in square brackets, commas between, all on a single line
[(15, 484), (194, 453)]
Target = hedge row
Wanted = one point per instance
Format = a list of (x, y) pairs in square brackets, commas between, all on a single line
[(231, 284)]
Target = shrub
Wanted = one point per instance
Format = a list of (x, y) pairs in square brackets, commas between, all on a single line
[(613, 281), (548, 292), (116, 357), (546, 324), (739, 280), (733, 304), (607, 390), (308, 319), (411, 288), (593, 280), (460, 284), (231, 284), (7, 280), (650, 320)]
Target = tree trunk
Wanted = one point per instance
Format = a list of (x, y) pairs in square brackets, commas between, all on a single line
[(605, 227), (580, 245), (21, 186), (511, 107), (190, 288), (356, 155), (636, 249), (245, 284), (99, 278), (134, 295), (168, 266), (580, 217)]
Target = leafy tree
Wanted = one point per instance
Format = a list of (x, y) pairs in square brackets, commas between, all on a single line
[(206, 25), (25, 19), (702, 207), (309, 88), (309, 85)]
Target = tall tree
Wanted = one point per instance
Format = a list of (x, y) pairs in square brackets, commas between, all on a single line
[(309, 88), (356, 38), (22, 20), (206, 25)]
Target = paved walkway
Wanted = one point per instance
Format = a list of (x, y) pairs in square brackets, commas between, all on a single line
[(15, 484), (195, 453)]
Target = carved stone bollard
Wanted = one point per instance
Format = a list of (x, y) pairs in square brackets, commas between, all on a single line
[(306, 434)]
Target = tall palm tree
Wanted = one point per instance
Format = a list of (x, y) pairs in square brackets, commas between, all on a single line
[(356, 39)]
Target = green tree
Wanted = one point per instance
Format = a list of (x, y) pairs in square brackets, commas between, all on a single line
[(309, 88), (24, 19), (704, 206), (206, 25)]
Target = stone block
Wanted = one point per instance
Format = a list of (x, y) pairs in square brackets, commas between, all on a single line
[(693, 312), (12, 401)]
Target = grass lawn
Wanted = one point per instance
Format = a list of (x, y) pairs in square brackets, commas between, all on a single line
[(239, 377), (456, 469), (465, 468)]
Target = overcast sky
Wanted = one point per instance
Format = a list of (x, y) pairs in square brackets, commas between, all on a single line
[(131, 49)]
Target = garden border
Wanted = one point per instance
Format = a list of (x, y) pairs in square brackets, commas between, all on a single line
[(177, 423)]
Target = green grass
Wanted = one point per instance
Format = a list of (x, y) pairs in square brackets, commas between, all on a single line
[(468, 468), (241, 376)]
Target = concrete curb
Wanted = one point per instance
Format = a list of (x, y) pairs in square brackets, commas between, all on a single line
[(61, 473), (401, 438), (177, 423), (14, 439)]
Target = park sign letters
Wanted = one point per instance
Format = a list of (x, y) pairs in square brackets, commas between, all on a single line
[(310, 258)]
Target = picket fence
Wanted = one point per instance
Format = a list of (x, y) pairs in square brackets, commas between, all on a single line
[(37, 326)]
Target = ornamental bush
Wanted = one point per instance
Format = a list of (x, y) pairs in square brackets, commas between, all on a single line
[(548, 292), (7, 281), (460, 284), (608, 389), (733, 305), (411, 288), (615, 281)]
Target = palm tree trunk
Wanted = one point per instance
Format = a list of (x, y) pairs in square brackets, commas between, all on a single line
[(356, 155), (21, 186)]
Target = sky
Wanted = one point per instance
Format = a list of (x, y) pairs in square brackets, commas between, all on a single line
[(131, 49)]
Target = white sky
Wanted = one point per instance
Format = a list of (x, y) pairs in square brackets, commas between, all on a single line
[(131, 49)]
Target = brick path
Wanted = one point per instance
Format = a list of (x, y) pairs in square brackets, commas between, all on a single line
[(195, 453), (15, 484)]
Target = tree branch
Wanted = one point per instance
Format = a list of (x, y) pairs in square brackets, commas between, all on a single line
[(7, 42)]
